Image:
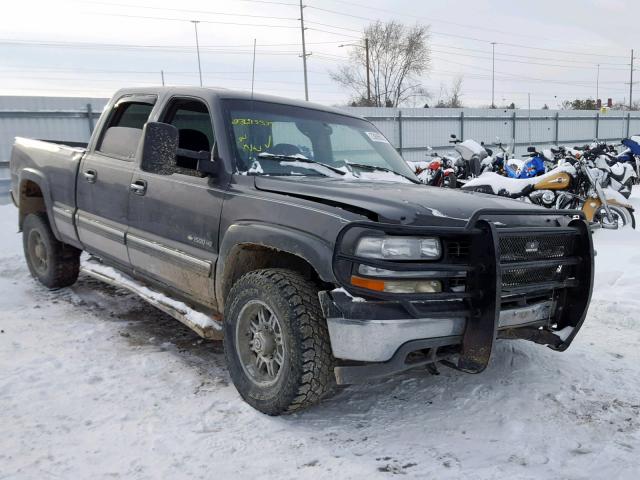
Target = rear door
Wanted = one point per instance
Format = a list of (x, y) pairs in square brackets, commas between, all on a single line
[(174, 219), (104, 179)]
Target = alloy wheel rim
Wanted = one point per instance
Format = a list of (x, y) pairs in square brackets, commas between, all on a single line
[(38, 252), (259, 343)]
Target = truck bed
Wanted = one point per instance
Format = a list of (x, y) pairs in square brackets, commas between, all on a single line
[(53, 166)]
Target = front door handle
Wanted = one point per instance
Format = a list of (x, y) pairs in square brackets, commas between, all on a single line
[(139, 187), (90, 176)]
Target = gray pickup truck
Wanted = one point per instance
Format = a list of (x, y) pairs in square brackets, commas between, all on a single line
[(297, 234)]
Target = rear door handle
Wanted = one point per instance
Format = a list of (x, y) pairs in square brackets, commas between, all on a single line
[(139, 187), (90, 176)]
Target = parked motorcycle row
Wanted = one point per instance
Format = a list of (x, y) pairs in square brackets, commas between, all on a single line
[(597, 178)]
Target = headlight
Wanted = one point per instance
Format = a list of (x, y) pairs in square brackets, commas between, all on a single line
[(397, 286), (399, 248)]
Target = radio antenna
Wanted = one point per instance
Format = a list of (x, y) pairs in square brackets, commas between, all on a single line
[(253, 68)]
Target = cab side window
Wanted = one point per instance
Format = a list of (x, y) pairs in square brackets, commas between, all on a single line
[(195, 130), (123, 131)]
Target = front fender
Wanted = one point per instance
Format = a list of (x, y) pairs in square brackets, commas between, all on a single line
[(316, 251)]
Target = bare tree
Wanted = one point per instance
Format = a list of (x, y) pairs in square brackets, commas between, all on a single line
[(398, 55), (451, 98)]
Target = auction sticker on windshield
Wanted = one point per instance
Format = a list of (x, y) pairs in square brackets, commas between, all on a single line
[(376, 137)]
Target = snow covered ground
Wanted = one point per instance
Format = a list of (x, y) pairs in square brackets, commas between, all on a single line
[(95, 384)]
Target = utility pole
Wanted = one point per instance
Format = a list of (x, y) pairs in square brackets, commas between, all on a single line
[(366, 48), (162, 76), (304, 53), (631, 84), (598, 84), (195, 26), (493, 74)]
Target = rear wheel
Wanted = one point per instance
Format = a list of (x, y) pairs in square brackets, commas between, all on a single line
[(51, 262), (276, 342)]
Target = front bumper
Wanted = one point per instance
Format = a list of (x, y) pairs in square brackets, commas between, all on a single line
[(510, 291), (377, 340)]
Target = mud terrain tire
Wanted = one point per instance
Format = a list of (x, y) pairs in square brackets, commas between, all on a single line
[(271, 314), (51, 262)]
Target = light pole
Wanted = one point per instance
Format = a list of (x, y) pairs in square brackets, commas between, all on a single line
[(195, 26), (493, 74), (366, 50)]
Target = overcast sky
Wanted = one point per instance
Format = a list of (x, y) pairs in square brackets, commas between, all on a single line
[(548, 48)]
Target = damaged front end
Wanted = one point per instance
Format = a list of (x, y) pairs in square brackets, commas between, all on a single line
[(490, 280)]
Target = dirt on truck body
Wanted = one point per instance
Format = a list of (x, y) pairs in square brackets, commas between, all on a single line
[(298, 234)]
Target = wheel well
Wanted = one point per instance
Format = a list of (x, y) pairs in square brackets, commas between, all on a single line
[(245, 258), (31, 200)]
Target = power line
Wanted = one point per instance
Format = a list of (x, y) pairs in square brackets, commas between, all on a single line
[(489, 57), (431, 19), (333, 33), (269, 2), (522, 78), (55, 43), (189, 11), (217, 22), (502, 54)]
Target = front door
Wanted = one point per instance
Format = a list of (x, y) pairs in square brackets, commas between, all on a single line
[(104, 179), (174, 219)]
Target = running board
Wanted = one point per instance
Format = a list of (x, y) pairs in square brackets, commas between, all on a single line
[(204, 325)]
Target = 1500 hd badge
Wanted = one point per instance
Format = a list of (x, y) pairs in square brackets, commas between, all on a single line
[(203, 242)]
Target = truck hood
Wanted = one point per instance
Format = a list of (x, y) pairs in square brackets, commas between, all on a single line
[(390, 202)]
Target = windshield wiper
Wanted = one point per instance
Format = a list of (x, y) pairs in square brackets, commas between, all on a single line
[(374, 168), (296, 158)]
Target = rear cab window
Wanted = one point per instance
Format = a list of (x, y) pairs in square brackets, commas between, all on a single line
[(123, 130)]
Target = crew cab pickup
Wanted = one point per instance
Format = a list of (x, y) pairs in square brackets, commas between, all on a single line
[(299, 235)]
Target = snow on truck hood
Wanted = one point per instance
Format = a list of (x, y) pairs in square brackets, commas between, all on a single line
[(405, 203)]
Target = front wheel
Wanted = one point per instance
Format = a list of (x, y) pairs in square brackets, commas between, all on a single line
[(276, 342), (621, 217)]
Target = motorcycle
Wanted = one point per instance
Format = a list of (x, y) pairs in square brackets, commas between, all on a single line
[(631, 156), (437, 172), (471, 154), (621, 175), (575, 184), (527, 169), (496, 163)]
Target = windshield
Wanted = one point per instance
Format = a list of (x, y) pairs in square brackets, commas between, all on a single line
[(283, 140)]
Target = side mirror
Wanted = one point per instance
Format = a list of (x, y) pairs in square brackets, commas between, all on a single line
[(159, 147), (531, 149), (453, 135)]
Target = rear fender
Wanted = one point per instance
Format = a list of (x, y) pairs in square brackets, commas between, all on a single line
[(37, 177)]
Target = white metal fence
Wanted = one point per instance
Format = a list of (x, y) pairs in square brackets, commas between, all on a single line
[(68, 119), (411, 130)]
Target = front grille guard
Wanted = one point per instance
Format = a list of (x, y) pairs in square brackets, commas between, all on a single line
[(484, 293)]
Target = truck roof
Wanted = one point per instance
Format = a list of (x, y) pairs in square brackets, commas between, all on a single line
[(224, 93)]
